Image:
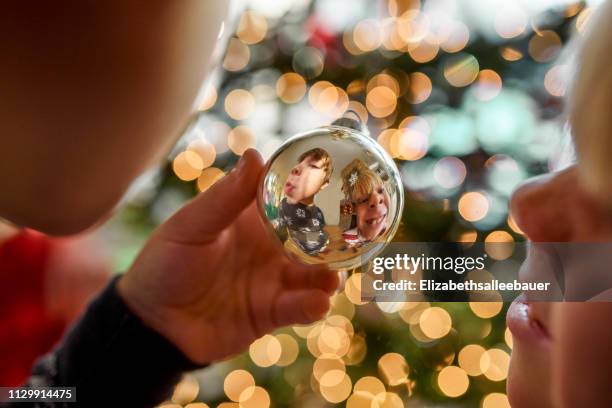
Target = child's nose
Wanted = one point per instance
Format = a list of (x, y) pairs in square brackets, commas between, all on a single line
[(295, 171), (538, 207), (376, 200)]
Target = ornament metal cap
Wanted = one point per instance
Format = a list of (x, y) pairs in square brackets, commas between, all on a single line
[(351, 120)]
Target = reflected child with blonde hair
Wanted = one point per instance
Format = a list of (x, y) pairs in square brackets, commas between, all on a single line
[(366, 192)]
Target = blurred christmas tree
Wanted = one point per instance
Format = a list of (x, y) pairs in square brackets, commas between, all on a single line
[(466, 96)]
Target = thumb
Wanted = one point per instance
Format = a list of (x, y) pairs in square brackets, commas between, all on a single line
[(207, 214), (303, 306)]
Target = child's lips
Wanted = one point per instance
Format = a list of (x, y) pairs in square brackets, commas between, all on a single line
[(524, 323), (289, 187)]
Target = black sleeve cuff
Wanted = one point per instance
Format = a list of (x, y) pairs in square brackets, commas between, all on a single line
[(113, 358)]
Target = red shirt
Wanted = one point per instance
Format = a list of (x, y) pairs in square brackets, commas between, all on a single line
[(27, 331)]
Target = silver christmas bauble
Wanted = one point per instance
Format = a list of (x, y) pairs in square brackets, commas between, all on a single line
[(332, 196)]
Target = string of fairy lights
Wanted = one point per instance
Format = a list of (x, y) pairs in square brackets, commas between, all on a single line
[(412, 114)]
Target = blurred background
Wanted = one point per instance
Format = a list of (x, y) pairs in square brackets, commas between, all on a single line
[(465, 95)]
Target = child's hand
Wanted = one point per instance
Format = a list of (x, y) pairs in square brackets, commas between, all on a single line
[(212, 280)]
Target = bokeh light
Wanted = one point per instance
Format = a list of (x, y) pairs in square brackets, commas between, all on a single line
[(544, 46), (435, 322), (329, 364), (473, 206), (461, 70), (394, 369), (495, 400), (370, 386), (510, 20), (504, 174), (385, 80), (508, 338), (252, 27), (209, 98), (413, 27), (425, 50), (494, 364), (367, 35), (357, 351), (511, 53), (328, 99), (239, 104), (488, 85), (408, 144), (450, 172), (339, 392), (499, 245), (236, 382), (214, 133), (186, 390), (290, 87), (486, 310), (188, 165), (308, 62), (555, 80), (265, 351), (455, 36), (205, 150), (209, 177), (513, 226), (453, 381), (381, 101), (240, 139), (289, 350), (237, 55), (469, 359), (254, 397), (420, 87)]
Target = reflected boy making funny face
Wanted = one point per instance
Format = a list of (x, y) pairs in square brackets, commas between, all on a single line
[(304, 220), (308, 177)]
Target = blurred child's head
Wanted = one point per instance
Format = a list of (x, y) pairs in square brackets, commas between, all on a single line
[(543, 365), (310, 175), (365, 189), (589, 105), (137, 86)]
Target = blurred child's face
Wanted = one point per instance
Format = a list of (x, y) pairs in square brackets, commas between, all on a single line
[(120, 108), (537, 207), (372, 212), (306, 179)]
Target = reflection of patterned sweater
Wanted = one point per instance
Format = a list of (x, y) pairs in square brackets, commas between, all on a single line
[(305, 225)]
